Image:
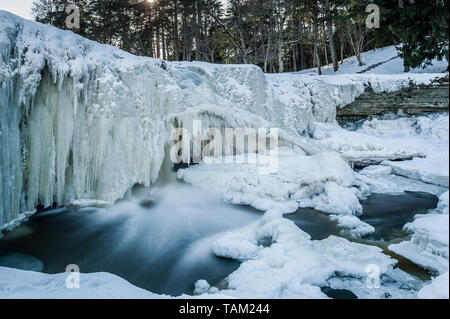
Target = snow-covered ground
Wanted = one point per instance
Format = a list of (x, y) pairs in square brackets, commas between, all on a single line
[(80, 120), (380, 61)]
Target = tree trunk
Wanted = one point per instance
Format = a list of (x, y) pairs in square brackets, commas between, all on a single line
[(325, 52), (331, 36), (280, 56), (175, 36), (342, 43), (266, 59), (197, 32), (316, 46), (302, 50), (163, 42)]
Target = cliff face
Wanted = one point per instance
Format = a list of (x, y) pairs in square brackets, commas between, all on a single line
[(413, 100)]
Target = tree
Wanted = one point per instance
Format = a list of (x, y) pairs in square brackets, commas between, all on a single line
[(276, 35), (358, 34), (422, 27)]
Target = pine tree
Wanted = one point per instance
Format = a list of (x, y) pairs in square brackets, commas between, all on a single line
[(422, 28)]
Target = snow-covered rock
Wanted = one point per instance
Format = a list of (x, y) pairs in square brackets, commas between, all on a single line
[(438, 289), (394, 138), (323, 181), (429, 245), (15, 283), (294, 266)]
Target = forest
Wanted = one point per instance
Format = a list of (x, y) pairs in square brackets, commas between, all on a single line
[(277, 35)]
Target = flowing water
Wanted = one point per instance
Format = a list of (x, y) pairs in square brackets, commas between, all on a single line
[(164, 248), (164, 245), (386, 213)]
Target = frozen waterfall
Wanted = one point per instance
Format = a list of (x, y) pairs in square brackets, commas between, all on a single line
[(81, 120)]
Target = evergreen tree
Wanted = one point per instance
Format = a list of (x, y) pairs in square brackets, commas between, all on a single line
[(422, 28)]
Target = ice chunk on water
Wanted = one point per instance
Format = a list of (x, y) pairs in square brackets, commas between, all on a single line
[(429, 245)]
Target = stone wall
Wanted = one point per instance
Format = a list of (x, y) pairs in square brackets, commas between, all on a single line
[(413, 100)]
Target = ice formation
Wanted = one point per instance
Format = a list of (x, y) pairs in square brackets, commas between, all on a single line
[(294, 266), (80, 120), (429, 245), (81, 123), (317, 181)]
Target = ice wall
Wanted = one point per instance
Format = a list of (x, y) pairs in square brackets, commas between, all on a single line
[(83, 120), (77, 119)]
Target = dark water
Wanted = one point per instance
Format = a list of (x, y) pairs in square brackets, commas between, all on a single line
[(386, 213), (389, 213), (338, 293), (165, 248), (317, 224)]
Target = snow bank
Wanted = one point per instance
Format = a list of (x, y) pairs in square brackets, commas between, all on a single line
[(438, 289), (294, 266), (429, 245), (392, 137), (20, 284), (380, 61), (323, 181)]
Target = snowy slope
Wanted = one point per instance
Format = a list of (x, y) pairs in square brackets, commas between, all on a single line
[(379, 61)]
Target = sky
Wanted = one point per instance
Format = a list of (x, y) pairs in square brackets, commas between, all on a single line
[(18, 7), (22, 7)]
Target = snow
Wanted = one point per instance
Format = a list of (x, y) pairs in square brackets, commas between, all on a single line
[(81, 203), (81, 123), (395, 185), (433, 169), (352, 226), (438, 289), (22, 284), (391, 137), (96, 119), (323, 181), (21, 218), (443, 204), (429, 245), (202, 287), (294, 266), (391, 63)]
